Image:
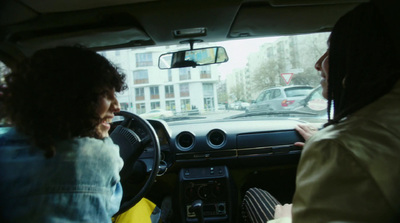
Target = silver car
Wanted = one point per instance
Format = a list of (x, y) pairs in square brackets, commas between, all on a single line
[(279, 98)]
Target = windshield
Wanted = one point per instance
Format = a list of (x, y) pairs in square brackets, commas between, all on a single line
[(260, 77)]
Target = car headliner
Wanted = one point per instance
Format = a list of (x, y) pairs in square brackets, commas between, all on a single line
[(28, 25)]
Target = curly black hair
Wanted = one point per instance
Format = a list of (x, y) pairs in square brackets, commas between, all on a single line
[(362, 61), (53, 95)]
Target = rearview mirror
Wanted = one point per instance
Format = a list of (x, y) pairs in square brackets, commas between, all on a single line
[(193, 58)]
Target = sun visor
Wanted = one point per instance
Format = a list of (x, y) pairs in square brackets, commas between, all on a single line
[(286, 20), (91, 38)]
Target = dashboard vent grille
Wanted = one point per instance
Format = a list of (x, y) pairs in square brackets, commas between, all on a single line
[(216, 138), (185, 141)]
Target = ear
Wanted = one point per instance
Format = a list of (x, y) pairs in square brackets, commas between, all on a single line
[(344, 82)]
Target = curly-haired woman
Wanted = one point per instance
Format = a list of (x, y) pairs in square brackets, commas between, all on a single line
[(57, 161)]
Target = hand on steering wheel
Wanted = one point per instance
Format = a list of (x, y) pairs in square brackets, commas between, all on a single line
[(131, 147)]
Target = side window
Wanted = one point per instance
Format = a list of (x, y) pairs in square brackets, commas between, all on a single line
[(260, 97), (276, 94), (267, 96)]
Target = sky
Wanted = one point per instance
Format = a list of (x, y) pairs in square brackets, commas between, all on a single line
[(238, 51)]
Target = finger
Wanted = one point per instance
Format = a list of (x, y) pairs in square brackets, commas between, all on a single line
[(301, 131), (302, 125), (299, 128), (299, 144)]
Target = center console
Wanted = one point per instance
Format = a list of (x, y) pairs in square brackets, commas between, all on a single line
[(205, 194)]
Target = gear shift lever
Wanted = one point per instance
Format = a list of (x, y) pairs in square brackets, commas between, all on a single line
[(197, 208)]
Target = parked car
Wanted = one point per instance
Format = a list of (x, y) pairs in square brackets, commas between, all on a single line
[(279, 98), (240, 105), (244, 106), (235, 105), (314, 103), (222, 107), (158, 114)]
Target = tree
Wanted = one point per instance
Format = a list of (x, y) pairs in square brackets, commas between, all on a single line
[(238, 91), (222, 97), (285, 56), (308, 77), (311, 49), (267, 75)]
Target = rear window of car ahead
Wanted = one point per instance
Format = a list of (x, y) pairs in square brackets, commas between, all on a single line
[(297, 92)]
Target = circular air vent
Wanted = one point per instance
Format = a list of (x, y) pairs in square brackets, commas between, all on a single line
[(185, 141), (216, 138)]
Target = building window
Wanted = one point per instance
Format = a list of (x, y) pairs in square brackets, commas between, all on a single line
[(124, 106), (205, 72), (208, 93), (154, 93), (184, 90), (184, 73), (209, 104), (155, 105), (208, 90), (185, 105), (140, 108), (169, 91), (169, 75), (140, 77), (170, 105), (139, 94), (144, 59)]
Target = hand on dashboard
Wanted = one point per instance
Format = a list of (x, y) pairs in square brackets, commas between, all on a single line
[(306, 131)]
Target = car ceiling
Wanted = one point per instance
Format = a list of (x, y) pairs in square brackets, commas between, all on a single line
[(28, 25)]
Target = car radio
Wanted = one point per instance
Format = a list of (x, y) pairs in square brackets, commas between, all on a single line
[(210, 186)]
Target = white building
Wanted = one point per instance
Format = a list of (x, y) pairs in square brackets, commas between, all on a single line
[(179, 90)]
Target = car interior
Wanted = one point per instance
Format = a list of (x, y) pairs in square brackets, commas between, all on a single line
[(201, 167)]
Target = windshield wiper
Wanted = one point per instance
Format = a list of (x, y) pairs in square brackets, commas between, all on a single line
[(180, 118), (278, 113)]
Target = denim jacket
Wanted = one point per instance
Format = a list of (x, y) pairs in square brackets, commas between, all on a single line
[(79, 184)]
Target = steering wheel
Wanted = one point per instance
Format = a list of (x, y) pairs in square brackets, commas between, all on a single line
[(131, 147)]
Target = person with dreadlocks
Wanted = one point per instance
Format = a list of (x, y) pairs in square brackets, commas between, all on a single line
[(348, 171)]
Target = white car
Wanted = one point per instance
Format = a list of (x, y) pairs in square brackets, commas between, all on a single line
[(157, 114), (279, 98)]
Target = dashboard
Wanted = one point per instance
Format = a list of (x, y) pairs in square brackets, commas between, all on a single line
[(207, 160), (210, 156), (232, 142), (227, 142)]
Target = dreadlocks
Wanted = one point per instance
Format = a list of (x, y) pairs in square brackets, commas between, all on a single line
[(362, 62)]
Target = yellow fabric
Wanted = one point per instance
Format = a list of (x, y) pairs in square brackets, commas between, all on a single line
[(350, 172), (140, 213)]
